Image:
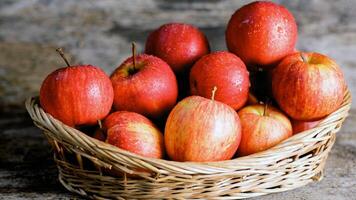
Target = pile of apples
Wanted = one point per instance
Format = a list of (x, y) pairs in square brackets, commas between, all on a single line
[(202, 100)]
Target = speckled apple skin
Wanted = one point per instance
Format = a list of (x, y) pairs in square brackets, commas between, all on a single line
[(135, 133), (308, 91), (261, 33), (180, 45), (261, 132), (77, 95), (227, 72), (152, 91), (202, 130)]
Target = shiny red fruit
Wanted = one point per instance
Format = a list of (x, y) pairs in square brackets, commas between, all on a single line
[(261, 33), (202, 130), (262, 128), (308, 86), (225, 71), (135, 133), (180, 45), (77, 95), (150, 88)]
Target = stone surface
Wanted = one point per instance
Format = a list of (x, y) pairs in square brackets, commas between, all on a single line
[(22, 69), (100, 33)]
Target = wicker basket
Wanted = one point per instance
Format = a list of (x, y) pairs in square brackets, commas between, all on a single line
[(86, 165)]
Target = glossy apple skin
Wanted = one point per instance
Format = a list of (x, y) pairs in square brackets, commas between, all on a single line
[(135, 133), (151, 91), (180, 45), (202, 130), (261, 33), (300, 126), (77, 95), (261, 132), (227, 72), (308, 90)]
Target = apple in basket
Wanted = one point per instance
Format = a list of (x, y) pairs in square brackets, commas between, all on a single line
[(308, 86), (144, 84), (263, 127), (261, 33), (180, 45), (135, 133), (300, 126), (227, 72), (200, 129), (77, 95)]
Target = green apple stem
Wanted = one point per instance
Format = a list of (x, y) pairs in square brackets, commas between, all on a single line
[(60, 51), (302, 55), (133, 54), (213, 93)]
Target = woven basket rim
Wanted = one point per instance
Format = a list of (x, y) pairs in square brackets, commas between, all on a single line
[(32, 106)]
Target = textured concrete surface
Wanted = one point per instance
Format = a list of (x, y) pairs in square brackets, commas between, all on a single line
[(100, 33)]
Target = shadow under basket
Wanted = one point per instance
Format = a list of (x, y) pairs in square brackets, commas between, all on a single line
[(99, 170)]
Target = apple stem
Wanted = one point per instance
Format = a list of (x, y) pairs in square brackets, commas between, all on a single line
[(100, 124), (303, 57), (265, 109), (213, 93), (60, 51), (267, 102), (133, 53)]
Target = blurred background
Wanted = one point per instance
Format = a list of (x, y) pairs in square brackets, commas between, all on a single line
[(100, 33)]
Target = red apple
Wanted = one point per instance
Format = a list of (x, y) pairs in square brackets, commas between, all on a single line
[(180, 45), (150, 88), (308, 86), (225, 71), (261, 33), (135, 133), (202, 130), (262, 128), (77, 95), (300, 126)]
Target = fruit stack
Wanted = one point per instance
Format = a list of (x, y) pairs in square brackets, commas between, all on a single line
[(217, 115), (178, 101)]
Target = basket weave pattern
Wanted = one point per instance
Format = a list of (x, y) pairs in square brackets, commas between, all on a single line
[(295, 162)]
